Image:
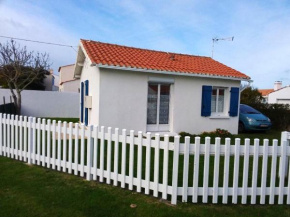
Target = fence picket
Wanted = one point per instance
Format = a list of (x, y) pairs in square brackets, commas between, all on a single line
[(165, 166), (196, 169), (89, 152), (255, 171), (226, 170), (1, 134), (29, 139), (246, 171), (288, 188), (82, 150), (109, 154), (64, 146), (139, 162), (273, 172), (131, 160), (16, 137), (5, 135), (53, 144), (76, 157), (185, 169), (147, 163), (38, 140), (12, 137), (70, 131), (21, 137), (216, 170), (59, 145), (282, 172), (96, 131), (102, 155), (236, 171), (264, 171), (33, 140), (206, 170), (8, 135), (25, 138), (48, 143), (43, 142), (175, 170), (156, 164)]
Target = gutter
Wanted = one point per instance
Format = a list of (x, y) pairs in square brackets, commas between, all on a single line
[(202, 75)]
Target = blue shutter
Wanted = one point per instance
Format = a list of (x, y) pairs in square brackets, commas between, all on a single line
[(206, 101), (86, 109), (82, 102), (234, 103)]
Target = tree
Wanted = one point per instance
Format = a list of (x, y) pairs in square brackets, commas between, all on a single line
[(37, 84), (19, 68), (251, 96)]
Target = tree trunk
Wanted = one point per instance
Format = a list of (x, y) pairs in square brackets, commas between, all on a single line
[(18, 106)]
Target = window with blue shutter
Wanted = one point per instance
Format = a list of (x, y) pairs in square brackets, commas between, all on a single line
[(206, 101), (234, 101), (82, 102), (86, 109)]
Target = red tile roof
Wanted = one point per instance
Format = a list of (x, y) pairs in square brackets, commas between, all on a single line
[(265, 92), (130, 57)]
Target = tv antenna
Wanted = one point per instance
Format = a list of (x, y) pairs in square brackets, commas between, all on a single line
[(215, 40)]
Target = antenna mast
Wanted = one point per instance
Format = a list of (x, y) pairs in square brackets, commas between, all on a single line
[(215, 40)]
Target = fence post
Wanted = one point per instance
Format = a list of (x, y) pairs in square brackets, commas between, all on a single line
[(284, 137), (175, 170)]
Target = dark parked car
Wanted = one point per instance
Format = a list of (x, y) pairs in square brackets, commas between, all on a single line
[(252, 120)]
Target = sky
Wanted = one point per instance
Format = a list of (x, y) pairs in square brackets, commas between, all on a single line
[(261, 30)]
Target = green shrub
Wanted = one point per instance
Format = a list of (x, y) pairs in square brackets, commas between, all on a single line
[(216, 133)]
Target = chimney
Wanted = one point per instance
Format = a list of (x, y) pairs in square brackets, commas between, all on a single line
[(277, 85), (51, 71)]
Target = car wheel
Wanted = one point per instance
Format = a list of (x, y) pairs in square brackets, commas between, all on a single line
[(241, 127)]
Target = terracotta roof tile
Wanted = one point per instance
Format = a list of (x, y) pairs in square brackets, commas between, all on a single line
[(117, 55), (266, 92)]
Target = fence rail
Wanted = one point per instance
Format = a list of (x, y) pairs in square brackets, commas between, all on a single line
[(199, 171)]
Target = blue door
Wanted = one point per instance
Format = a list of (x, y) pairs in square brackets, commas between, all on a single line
[(82, 102)]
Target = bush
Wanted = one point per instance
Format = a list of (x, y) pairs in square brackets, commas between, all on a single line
[(216, 133), (278, 113)]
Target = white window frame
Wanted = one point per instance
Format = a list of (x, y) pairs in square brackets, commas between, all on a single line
[(216, 105)]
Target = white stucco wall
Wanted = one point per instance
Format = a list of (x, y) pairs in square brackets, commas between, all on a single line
[(280, 96), (123, 101), (46, 103), (93, 75)]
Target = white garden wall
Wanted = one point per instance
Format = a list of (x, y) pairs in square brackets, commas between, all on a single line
[(46, 103)]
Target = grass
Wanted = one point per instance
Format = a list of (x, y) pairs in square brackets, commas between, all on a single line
[(73, 120), (36, 191)]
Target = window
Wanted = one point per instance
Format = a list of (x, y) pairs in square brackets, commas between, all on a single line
[(217, 100)]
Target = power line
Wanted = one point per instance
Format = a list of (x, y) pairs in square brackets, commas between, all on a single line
[(40, 42)]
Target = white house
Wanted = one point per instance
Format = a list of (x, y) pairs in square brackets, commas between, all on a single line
[(154, 91), (67, 81), (279, 94)]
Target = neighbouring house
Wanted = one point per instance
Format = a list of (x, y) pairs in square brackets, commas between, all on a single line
[(154, 91), (51, 81), (279, 94), (67, 81)]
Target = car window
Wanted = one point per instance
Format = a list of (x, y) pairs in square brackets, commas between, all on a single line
[(244, 109)]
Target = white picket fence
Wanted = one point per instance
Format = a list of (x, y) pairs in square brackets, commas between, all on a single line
[(98, 155)]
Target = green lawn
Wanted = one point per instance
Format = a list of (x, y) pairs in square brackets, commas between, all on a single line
[(36, 191)]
